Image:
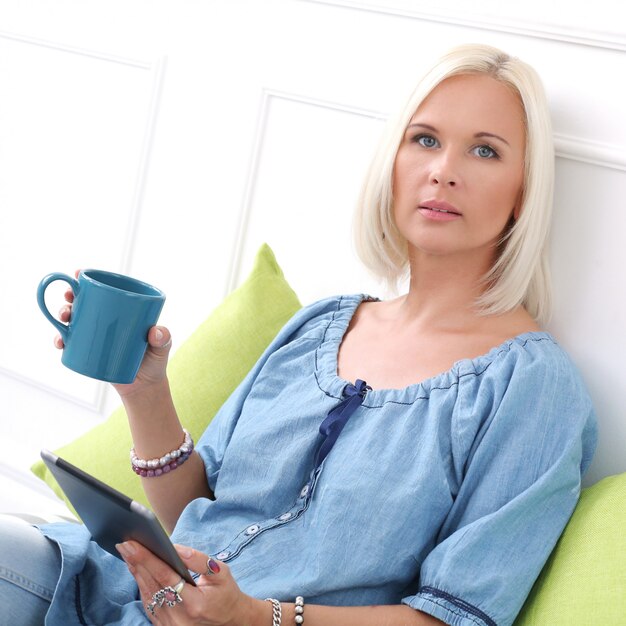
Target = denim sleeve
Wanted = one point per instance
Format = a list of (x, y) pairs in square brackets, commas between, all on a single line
[(525, 432)]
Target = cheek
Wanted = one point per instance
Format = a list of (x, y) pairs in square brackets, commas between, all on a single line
[(406, 172), (399, 172), (507, 195)]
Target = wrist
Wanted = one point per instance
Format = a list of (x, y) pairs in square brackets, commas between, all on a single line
[(154, 400), (153, 421), (254, 613)]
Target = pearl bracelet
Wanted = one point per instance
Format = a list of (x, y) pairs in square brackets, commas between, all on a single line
[(299, 610), (147, 468)]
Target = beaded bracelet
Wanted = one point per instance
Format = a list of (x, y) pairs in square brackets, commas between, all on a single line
[(299, 610), (148, 468), (277, 611)]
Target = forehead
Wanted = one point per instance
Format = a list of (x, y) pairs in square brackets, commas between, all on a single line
[(476, 101)]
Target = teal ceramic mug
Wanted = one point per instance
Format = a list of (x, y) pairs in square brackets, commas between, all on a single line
[(107, 335)]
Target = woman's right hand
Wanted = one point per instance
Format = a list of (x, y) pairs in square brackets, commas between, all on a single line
[(154, 365)]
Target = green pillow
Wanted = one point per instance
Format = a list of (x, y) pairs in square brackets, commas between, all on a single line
[(203, 372), (584, 581)]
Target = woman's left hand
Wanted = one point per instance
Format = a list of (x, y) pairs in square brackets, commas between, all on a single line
[(215, 601)]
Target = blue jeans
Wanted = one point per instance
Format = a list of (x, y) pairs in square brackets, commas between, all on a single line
[(30, 566)]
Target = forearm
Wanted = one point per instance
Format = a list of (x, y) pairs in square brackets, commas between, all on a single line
[(156, 430), (317, 615)]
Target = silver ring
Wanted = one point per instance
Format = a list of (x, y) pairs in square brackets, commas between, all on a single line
[(168, 596)]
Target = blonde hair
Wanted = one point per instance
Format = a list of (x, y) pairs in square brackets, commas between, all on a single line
[(520, 274)]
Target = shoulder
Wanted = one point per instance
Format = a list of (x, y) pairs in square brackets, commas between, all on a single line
[(529, 355), (316, 316), (530, 386), (530, 372), (532, 369)]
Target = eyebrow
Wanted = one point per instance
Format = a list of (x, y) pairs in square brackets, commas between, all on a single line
[(479, 135)]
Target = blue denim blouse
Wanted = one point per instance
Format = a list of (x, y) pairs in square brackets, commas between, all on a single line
[(447, 495)]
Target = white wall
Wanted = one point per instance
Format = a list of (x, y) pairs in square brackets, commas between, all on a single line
[(169, 139)]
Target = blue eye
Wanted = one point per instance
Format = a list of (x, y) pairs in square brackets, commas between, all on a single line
[(486, 152), (427, 141)]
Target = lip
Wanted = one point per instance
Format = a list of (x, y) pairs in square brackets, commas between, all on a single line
[(439, 210)]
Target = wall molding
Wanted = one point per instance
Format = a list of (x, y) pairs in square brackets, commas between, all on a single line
[(593, 153), (267, 97), (27, 480), (59, 47), (158, 74), (527, 28), (95, 403)]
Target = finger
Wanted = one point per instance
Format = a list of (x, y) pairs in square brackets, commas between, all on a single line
[(58, 342), (160, 339), (216, 593), (152, 603), (69, 296), (147, 589), (196, 561), (152, 575), (136, 555), (145, 582), (65, 313)]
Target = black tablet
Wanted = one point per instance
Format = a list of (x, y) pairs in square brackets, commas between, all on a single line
[(110, 516)]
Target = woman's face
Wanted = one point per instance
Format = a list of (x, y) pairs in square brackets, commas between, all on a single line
[(459, 170)]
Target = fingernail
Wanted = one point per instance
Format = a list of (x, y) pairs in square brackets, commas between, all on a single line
[(158, 334), (125, 549), (186, 553), (121, 549)]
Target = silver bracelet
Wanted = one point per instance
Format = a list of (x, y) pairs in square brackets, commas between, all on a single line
[(277, 611), (299, 610)]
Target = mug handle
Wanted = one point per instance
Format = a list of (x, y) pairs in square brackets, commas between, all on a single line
[(41, 290)]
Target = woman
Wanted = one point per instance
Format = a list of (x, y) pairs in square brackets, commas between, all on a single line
[(436, 489)]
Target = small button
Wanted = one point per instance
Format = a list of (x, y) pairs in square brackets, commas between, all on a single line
[(285, 516), (252, 530), (305, 491), (222, 555)]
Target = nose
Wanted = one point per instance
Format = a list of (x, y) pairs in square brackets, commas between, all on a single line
[(442, 180), (443, 171)]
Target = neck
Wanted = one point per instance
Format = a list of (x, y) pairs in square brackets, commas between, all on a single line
[(443, 290)]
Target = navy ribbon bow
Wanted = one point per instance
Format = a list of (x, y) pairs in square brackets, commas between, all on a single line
[(337, 418)]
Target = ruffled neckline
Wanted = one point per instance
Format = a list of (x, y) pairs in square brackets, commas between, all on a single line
[(332, 384)]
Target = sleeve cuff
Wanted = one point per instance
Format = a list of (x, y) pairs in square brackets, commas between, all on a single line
[(447, 608)]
